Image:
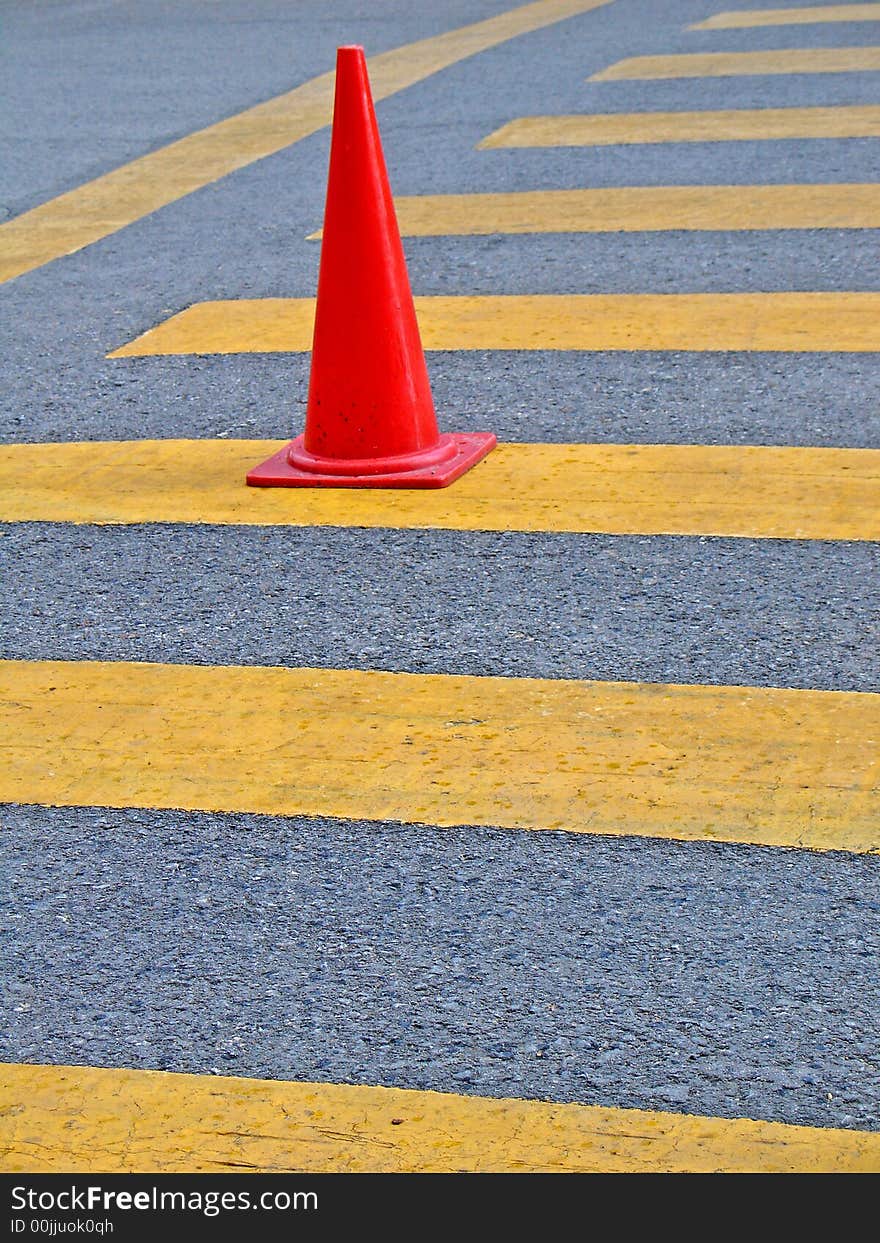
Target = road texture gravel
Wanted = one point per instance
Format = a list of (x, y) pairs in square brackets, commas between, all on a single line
[(653, 609), (480, 961), (709, 979)]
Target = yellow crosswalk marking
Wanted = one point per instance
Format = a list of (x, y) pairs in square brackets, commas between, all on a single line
[(740, 19), (78, 1119), (726, 64), (754, 491), (642, 208), (734, 125), (763, 766), (694, 321), (706, 763)]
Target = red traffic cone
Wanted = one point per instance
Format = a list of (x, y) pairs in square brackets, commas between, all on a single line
[(370, 419)]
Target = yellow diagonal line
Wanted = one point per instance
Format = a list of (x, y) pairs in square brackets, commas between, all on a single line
[(726, 321), (101, 207), (725, 64), (754, 491), (706, 763), (78, 1119), (731, 125)]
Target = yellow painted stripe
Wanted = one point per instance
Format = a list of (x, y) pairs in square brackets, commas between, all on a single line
[(728, 64), (753, 491), (700, 321), (642, 208), (101, 207), (78, 1119), (739, 19), (607, 129), (709, 763)]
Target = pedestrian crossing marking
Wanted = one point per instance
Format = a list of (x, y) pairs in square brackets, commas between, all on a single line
[(632, 209), (834, 322), (770, 767), (740, 19), (752, 491), (736, 764), (727, 64), (732, 125), (79, 1119)]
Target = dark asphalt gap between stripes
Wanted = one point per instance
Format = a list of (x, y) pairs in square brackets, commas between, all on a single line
[(655, 609), (694, 977), (616, 398)]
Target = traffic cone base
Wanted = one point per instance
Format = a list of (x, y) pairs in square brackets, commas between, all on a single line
[(435, 467)]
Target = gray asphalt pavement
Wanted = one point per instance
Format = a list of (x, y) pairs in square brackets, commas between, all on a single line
[(643, 608), (726, 980), (731, 981)]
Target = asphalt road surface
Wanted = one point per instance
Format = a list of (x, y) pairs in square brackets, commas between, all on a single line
[(726, 979)]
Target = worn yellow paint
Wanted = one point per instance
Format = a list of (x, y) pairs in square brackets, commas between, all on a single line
[(101, 207), (642, 208), (755, 491), (742, 124), (739, 19), (692, 321), (728, 64), (81, 1119), (712, 763)]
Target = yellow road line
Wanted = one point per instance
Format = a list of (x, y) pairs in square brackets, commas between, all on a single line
[(79, 1120), (743, 124), (727, 64), (753, 491), (702, 763), (835, 322), (739, 19), (642, 208), (109, 203)]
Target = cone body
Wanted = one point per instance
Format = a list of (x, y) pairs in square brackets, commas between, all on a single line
[(370, 418), (369, 394)]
